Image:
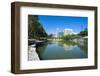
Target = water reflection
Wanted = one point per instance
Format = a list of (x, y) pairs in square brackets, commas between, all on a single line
[(61, 50)]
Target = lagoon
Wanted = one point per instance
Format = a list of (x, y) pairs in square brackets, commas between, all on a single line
[(53, 50)]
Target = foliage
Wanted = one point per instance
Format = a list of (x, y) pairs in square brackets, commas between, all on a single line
[(35, 29), (50, 36), (84, 32), (70, 37)]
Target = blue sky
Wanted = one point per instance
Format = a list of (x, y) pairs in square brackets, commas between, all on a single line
[(53, 23)]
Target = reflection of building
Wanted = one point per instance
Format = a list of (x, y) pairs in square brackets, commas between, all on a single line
[(69, 47), (68, 32)]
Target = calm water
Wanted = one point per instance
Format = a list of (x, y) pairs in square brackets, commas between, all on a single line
[(61, 50)]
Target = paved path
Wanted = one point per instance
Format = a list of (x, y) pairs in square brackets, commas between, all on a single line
[(32, 54)]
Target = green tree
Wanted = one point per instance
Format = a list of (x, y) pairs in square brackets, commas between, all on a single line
[(35, 29), (84, 32), (50, 36)]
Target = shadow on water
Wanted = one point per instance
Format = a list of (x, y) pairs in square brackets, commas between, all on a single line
[(61, 50)]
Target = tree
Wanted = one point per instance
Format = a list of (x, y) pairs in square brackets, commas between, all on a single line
[(35, 29), (84, 32), (50, 36)]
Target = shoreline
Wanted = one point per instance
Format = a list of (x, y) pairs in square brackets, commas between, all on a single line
[(32, 54)]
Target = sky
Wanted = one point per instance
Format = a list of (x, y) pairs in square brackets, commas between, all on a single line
[(51, 24)]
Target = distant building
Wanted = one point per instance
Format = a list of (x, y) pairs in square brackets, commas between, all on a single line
[(54, 34), (63, 33), (69, 32), (60, 34)]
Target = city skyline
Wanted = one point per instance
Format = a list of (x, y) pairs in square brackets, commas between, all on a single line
[(65, 32), (52, 24)]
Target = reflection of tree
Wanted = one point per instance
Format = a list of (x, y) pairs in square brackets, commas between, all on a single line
[(68, 45), (84, 47), (41, 48)]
